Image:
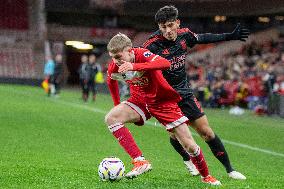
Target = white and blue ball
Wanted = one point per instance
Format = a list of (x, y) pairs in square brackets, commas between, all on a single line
[(111, 169)]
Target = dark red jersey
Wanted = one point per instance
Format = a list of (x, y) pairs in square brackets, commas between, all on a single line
[(146, 81)]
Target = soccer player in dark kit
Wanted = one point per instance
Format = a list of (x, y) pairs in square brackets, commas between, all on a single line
[(172, 43)]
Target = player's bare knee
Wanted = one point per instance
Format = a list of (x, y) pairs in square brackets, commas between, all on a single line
[(111, 119), (107, 119), (207, 134)]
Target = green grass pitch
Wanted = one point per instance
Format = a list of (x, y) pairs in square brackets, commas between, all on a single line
[(59, 143)]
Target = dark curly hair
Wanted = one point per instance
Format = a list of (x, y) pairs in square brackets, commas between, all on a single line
[(165, 14)]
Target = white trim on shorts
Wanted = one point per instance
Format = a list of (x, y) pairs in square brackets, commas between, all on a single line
[(176, 123), (137, 109)]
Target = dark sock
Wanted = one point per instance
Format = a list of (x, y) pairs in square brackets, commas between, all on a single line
[(178, 147), (220, 153)]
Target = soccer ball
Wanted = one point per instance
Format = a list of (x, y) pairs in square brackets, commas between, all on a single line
[(111, 169)]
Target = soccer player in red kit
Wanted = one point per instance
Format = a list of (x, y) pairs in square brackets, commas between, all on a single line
[(150, 95)]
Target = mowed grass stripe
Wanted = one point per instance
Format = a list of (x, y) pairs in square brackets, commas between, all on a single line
[(97, 110)]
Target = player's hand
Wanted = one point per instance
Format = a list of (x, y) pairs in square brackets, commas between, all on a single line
[(126, 66), (239, 33)]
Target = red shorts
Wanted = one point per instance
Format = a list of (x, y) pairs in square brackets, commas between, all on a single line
[(168, 114), (140, 108)]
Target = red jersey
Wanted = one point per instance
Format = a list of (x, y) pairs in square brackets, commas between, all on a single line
[(146, 81)]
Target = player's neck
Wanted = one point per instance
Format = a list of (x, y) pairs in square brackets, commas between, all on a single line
[(133, 58)]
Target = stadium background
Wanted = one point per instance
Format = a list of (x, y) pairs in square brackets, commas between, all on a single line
[(58, 142), (30, 30)]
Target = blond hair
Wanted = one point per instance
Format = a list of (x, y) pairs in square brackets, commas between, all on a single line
[(118, 43)]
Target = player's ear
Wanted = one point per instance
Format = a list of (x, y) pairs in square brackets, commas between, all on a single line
[(130, 51), (178, 22)]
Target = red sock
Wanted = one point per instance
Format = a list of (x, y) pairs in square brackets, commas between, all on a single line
[(198, 160), (125, 139)]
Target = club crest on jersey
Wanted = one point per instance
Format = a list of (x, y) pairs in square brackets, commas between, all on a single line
[(183, 45), (147, 54)]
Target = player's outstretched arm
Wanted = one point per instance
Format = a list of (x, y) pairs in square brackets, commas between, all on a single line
[(156, 63), (239, 33)]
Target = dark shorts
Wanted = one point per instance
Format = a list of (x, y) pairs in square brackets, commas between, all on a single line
[(191, 108), (89, 85)]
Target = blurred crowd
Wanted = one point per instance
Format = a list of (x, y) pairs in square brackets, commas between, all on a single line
[(245, 78), (89, 73), (53, 75)]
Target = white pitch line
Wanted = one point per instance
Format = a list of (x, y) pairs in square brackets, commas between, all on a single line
[(253, 148), (158, 125)]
